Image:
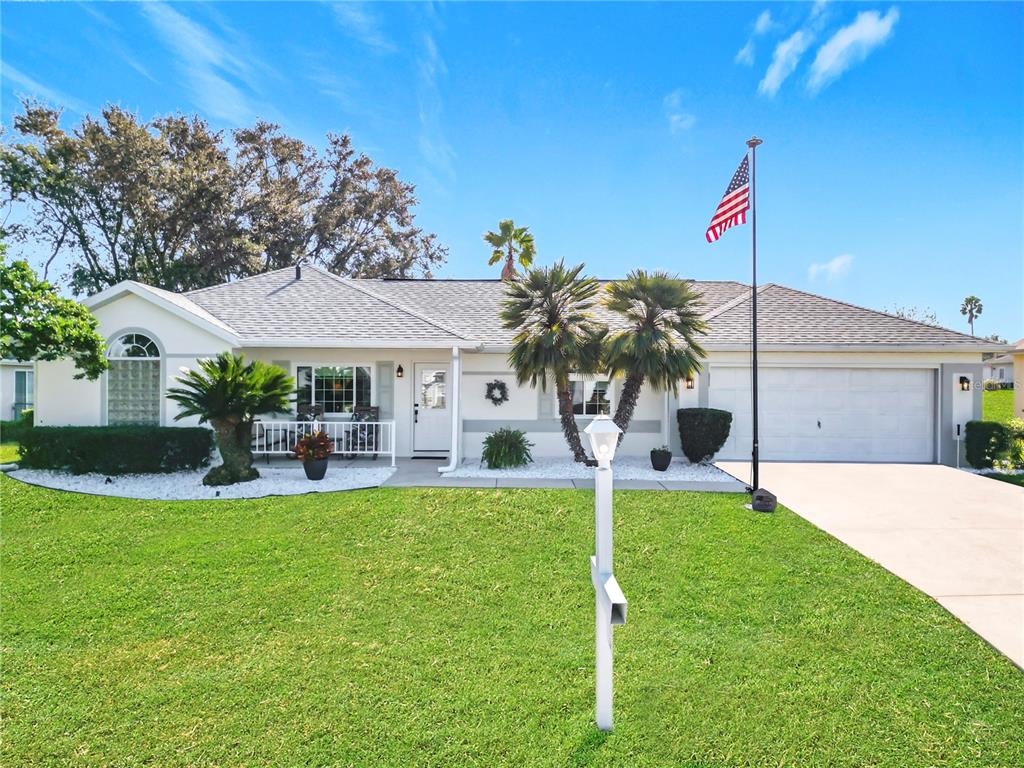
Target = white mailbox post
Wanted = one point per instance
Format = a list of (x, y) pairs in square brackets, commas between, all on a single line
[(609, 602)]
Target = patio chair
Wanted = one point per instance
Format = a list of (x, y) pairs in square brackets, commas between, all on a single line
[(364, 438)]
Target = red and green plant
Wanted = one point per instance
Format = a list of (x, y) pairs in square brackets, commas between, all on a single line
[(313, 447)]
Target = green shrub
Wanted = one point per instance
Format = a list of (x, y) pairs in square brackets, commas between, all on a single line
[(507, 448), (703, 431), (1015, 443), (11, 431), (984, 441), (116, 450)]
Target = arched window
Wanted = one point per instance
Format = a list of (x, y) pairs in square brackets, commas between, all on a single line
[(133, 381)]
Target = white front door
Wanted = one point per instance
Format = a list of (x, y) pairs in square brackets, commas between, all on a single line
[(432, 415), (830, 414)]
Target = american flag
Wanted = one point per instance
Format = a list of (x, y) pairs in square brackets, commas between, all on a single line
[(734, 206)]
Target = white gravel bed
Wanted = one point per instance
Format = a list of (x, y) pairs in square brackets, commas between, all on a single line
[(993, 471), (625, 469), (273, 481)]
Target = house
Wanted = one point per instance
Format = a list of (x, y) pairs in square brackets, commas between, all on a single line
[(17, 388), (837, 382), (999, 369), (1018, 379)]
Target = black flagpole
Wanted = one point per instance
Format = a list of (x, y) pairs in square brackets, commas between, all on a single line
[(753, 143)]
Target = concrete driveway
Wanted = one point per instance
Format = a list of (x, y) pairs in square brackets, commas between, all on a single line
[(955, 536)]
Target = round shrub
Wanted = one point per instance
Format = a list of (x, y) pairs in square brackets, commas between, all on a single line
[(984, 441), (703, 431), (506, 448)]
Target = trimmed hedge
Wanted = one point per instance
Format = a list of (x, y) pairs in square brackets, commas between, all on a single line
[(703, 431), (984, 441), (116, 450), (11, 431)]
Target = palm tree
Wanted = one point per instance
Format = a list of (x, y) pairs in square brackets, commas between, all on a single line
[(228, 392), (550, 310), (513, 244), (972, 309), (658, 343)]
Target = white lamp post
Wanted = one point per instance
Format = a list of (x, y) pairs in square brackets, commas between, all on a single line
[(609, 602)]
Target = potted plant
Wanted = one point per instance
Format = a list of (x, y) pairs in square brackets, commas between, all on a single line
[(661, 458), (313, 450)]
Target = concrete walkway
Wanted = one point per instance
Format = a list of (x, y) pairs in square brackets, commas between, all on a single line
[(414, 473), (955, 536)]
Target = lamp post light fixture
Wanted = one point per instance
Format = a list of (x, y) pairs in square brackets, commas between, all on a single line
[(609, 602)]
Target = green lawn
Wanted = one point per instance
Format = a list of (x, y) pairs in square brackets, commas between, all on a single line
[(1015, 479), (455, 627), (8, 452), (997, 405)]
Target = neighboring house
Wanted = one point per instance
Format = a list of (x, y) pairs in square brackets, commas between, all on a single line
[(17, 388), (1018, 379), (998, 369), (837, 382)]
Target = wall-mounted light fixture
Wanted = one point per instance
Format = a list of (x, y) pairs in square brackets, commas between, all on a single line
[(965, 384), (399, 371), (689, 382)]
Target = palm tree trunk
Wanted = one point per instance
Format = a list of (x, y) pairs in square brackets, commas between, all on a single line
[(234, 440), (627, 402), (569, 428)]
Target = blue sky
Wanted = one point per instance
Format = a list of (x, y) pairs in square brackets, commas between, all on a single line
[(892, 171)]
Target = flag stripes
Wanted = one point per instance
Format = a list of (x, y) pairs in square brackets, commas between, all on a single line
[(732, 210)]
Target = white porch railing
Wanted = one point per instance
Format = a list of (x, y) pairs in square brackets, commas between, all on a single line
[(351, 438)]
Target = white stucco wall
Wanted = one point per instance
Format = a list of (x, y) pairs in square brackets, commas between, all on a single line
[(63, 400), (525, 410)]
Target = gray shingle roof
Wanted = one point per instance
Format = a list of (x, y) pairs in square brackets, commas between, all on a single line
[(789, 316), (319, 306), (323, 307)]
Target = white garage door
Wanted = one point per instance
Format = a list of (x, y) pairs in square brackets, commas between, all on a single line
[(830, 414)]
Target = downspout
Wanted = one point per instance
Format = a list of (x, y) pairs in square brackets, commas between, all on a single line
[(453, 460)]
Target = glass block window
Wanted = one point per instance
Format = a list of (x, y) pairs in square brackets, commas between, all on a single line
[(336, 389), (133, 381)]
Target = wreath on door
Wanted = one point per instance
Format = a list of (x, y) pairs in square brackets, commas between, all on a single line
[(497, 392)]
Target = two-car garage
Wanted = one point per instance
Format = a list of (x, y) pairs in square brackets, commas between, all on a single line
[(829, 413)]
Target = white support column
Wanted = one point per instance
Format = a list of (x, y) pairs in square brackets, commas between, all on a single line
[(456, 395)]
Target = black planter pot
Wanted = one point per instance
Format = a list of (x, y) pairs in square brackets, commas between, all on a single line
[(660, 460), (315, 468)]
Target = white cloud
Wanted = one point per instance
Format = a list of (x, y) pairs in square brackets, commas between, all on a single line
[(745, 55), (764, 22), (29, 88), (434, 147), (831, 270), (219, 78), (850, 46), (678, 119), (360, 23), (784, 61)]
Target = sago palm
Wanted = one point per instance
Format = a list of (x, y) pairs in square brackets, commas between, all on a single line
[(512, 244), (228, 392), (658, 344), (551, 312)]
